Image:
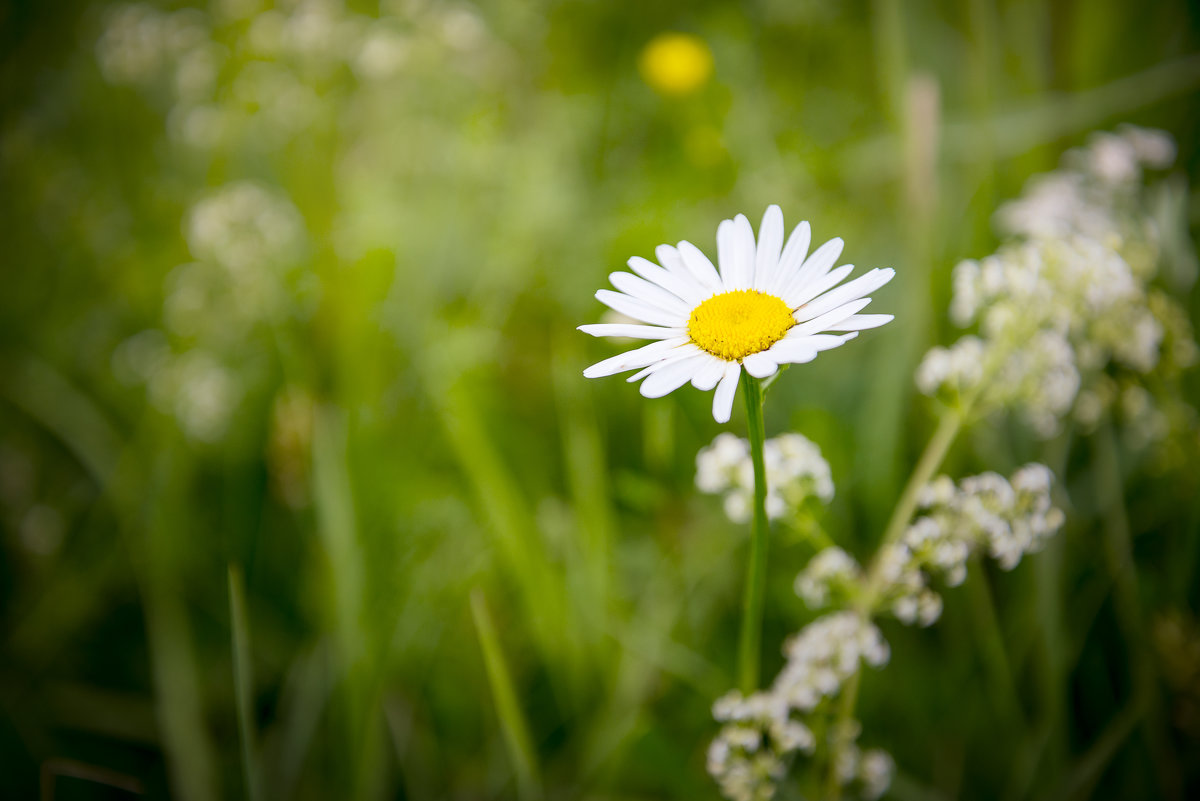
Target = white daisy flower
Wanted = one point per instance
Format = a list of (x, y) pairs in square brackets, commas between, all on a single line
[(768, 305)]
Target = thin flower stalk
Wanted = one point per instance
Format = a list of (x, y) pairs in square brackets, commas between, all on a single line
[(931, 459), (750, 640)]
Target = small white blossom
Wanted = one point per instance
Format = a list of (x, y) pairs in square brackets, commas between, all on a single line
[(830, 572), (764, 731), (824, 654), (140, 41), (750, 754), (794, 467), (718, 466), (242, 225), (957, 369), (199, 391), (1006, 518), (875, 771), (1154, 149), (1112, 159), (1054, 205), (381, 54)]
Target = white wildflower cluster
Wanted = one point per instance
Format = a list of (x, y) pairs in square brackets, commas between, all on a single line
[(242, 224), (824, 654), (795, 471), (240, 82), (831, 577), (1067, 297), (870, 772), (276, 58), (1007, 519), (1075, 287), (249, 242), (752, 752), (1094, 195), (1048, 311), (762, 733), (1040, 378), (195, 387), (874, 769), (139, 41)]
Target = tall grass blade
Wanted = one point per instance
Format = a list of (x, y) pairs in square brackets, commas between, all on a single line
[(243, 684), (512, 722)]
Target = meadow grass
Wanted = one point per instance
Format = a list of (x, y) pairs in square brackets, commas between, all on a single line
[(303, 494)]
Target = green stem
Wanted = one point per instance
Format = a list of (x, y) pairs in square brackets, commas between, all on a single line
[(990, 642), (750, 641), (508, 708), (1129, 613), (243, 683), (939, 444), (840, 736), (931, 459)]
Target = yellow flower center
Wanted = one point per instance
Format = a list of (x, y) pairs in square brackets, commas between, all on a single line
[(735, 324)]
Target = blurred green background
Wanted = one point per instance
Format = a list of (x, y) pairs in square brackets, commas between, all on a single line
[(293, 430)]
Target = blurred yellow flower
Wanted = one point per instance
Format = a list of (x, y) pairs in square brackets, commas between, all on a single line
[(676, 63)]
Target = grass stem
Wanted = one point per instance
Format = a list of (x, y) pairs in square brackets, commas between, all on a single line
[(1130, 617), (243, 683), (512, 722)]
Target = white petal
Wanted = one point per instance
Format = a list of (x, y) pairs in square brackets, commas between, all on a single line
[(770, 241), (670, 378), (815, 266), (802, 293), (792, 351), (645, 371), (709, 374), (682, 285), (640, 309), (861, 322), (682, 352), (743, 244), (725, 254), (863, 285), (642, 289), (760, 365), (829, 319), (792, 258), (735, 255), (820, 342), (634, 359), (699, 266), (672, 262), (723, 397), (631, 330)]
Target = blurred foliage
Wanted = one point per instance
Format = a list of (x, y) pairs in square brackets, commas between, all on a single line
[(290, 376)]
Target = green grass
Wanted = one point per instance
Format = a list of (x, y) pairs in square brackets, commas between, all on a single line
[(281, 594)]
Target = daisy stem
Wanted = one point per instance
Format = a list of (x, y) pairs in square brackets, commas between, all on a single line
[(750, 642)]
